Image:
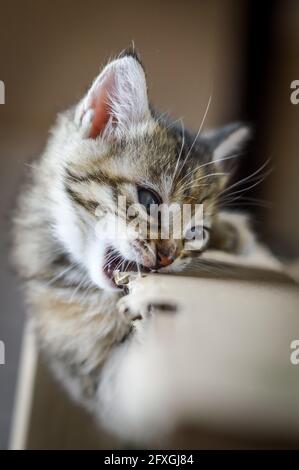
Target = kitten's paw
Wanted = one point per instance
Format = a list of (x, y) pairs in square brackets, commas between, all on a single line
[(137, 308), (132, 307)]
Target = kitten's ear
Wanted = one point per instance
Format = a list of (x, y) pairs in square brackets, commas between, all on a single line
[(116, 100), (225, 143)]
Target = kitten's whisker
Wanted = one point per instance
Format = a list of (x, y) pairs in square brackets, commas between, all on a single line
[(84, 279), (259, 201), (260, 177), (184, 188), (257, 204), (86, 292), (172, 123), (197, 134), (161, 116), (59, 275), (200, 178), (198, 168), (127, 265), (219, 173), (257, 181), (229, 199), (228, 157), (169, 124), (192, 185), (111, 259), (181, 151), (256, 172), (119, 265)]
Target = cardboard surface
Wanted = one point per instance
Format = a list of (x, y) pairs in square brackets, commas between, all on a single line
[(215, 371)]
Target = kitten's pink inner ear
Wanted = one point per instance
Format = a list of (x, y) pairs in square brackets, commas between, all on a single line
[(116, 100), (100, 104)]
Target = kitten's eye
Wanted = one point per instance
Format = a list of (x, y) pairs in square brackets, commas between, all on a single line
[(146, 197), (198, 233)]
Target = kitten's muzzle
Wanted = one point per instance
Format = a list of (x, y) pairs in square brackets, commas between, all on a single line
[(161, 254), (166, 251)]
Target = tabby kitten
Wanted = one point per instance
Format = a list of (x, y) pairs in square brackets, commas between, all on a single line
[(109, 144)]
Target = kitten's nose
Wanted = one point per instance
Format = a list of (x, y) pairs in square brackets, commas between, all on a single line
[(164, 260), (165, 255)]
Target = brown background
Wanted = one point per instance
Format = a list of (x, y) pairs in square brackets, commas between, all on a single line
[(50, 51)]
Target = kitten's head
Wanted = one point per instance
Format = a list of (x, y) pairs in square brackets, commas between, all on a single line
[(112, 144)]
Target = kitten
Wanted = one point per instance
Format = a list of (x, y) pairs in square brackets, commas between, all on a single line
[(110, 144)]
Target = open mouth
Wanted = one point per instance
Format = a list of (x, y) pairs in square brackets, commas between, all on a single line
[(114, 261)]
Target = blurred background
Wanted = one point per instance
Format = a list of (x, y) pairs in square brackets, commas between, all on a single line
[(245, 54)]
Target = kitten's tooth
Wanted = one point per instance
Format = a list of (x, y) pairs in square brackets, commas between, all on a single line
[(120, 278)]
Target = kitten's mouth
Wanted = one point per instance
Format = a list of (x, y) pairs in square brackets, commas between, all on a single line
[(114, 261)]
